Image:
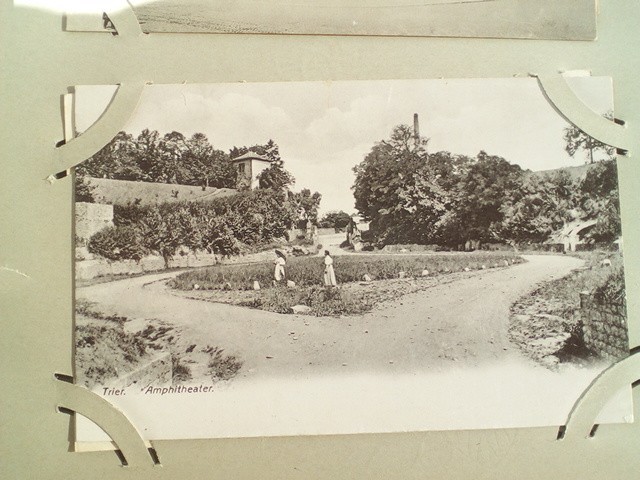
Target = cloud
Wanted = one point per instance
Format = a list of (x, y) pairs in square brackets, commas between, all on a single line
[(364, 121), (231, 119)]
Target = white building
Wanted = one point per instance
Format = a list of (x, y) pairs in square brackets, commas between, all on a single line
[(251, 165)]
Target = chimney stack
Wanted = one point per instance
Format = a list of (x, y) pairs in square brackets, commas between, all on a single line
[(416, 129)]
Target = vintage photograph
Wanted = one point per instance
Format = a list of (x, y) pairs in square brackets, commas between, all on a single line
[(575, 20), (343, 257)]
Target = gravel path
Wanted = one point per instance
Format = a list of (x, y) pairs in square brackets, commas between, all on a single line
[(462, 323)]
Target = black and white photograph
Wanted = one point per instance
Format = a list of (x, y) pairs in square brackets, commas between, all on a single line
[(524, 19), (295, 258)]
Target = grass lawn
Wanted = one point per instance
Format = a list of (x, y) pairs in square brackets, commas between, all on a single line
[(391, 275)]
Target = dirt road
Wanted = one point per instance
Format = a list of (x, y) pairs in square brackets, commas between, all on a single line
[(462, 323)]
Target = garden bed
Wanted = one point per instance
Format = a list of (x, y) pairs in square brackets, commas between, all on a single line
[(364, 281)]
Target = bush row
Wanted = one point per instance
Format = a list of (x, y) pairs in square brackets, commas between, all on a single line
[(222, 226)]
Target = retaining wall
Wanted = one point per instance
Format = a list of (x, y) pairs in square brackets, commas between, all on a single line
[(90, 266), (91, 218), (99, 267), (605, 328)]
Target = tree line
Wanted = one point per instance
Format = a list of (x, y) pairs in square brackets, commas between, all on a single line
[(412, 196), (176, 159), (224, 226)]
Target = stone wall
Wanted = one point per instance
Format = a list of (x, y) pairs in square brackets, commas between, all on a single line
[(99, 267), (605, 328), (89, 266), (91, 218)]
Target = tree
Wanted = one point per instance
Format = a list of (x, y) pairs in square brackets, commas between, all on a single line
[(275, 177), (169, 166), (207, 165), (384, 171), (115, 160), (83, 189), (542, 205), (337, 220), (483, 188), (305, 205), (158, 233), (405, 192), (576, 140), (600, 199), (147, 153)]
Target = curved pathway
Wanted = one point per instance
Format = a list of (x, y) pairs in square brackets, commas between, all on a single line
[(463, 322)]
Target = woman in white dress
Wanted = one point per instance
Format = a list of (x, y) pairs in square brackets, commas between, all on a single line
[(280, 263), (329, 274)]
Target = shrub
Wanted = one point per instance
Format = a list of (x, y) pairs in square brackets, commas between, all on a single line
[(180, 372), (612, 290), (118, 243), (222, 225), (222, 366), (130, 214)]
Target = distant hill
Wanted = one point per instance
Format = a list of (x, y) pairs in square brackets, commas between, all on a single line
[(577, 172), (123, 192)]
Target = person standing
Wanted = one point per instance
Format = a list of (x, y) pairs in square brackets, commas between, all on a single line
[(329, 273), (280, 262)]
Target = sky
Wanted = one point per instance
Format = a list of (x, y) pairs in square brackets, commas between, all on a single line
[(324, 129)]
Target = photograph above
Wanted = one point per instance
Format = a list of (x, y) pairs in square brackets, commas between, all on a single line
[(548, 19), (301, 258)]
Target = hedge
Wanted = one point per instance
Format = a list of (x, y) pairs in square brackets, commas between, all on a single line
[(221, 226)]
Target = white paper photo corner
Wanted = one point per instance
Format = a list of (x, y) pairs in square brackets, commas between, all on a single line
[(109, 427), (609, 395), (566, 94), (106, 16), (90, 102), (97, 125)]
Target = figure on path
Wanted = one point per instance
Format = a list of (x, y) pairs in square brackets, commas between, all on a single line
[(280, 262), (329, 273)]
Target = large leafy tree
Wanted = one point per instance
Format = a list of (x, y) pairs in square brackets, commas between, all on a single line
[(542, 205), (208, 166), (483, 188), (275, 177), (382, 175), (169, 167), (405, 192)]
